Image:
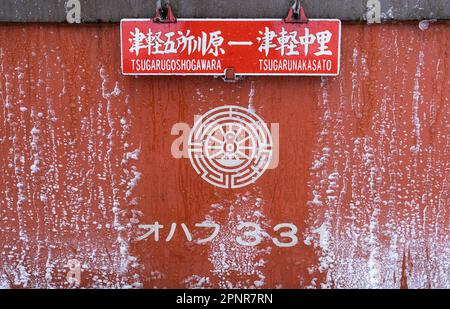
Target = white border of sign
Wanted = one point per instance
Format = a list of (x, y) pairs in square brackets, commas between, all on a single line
[(237, 73)]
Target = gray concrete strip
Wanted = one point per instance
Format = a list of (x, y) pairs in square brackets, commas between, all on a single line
[(114, 10)]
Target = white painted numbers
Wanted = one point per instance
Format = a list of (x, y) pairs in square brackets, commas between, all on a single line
[(249, 234), (252, 232), (289, 233)]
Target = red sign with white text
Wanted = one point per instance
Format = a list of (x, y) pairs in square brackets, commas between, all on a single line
[(249, 46)]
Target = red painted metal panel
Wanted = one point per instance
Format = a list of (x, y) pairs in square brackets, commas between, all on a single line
[(85, 155), (250, 47)]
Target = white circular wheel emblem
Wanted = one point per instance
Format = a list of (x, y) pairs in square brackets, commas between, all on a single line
[(230, 147)]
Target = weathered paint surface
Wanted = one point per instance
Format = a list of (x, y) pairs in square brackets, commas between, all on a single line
[(85, 156), (104, 11)]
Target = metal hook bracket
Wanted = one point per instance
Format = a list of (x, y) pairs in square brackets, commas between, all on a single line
[(230, 75), (296, 14), (164, 13)]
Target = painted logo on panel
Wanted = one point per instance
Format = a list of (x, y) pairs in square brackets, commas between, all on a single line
[(230, 146)]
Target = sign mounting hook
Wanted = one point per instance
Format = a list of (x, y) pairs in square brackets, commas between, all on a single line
[(296, 14), (230, 75), (164, 13)]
